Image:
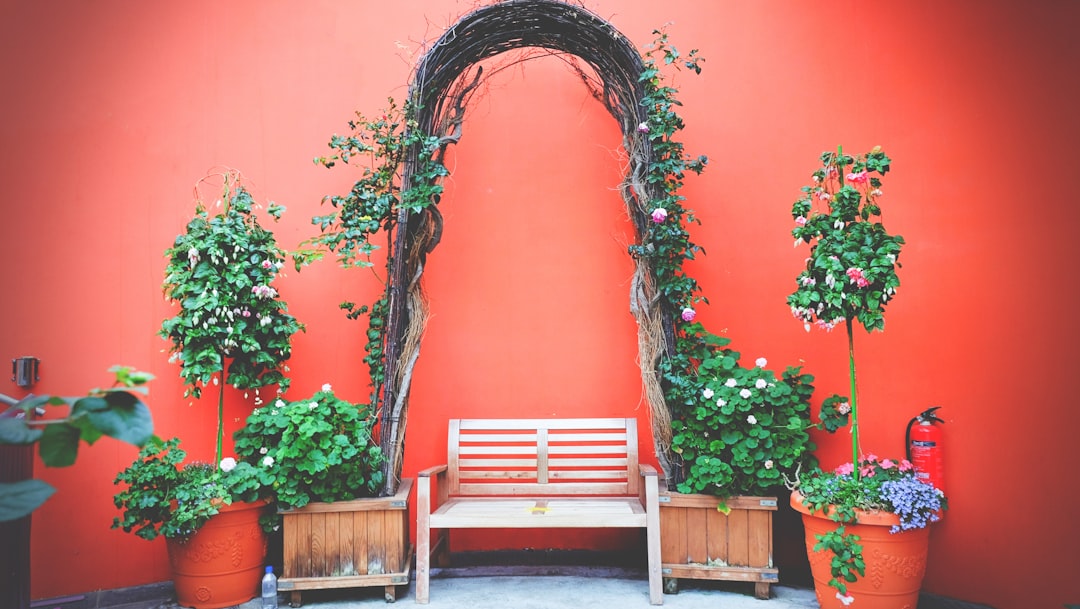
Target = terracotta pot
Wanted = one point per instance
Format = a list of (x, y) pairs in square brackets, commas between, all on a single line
[(221, 565), (895, 562)]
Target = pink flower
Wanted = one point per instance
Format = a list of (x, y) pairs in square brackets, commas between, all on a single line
[(266, 264), (688, 314), (858, 177), (906, 466), (800, 221), (823, 196), (856, 276), (843, 408), (888, 463), (659, 215), (871, 458), (866, 471), (643, 128), (845, 469)]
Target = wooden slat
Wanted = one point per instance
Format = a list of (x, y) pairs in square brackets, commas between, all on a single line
[(331, 543), (673, 535), (563, 488), (346, 545), (506, 424), (716, 528), (759, 539), (738, 553), (696, 539)]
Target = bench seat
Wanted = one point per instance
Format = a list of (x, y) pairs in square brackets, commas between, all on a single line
[(537, 473)]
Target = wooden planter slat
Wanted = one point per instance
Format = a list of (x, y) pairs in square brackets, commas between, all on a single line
[(700, 542), (347, 544)]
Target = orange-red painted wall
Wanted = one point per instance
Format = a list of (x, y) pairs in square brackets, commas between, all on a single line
[(114, 109)]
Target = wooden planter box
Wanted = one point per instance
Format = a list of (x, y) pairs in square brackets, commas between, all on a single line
[(699, 542), (347, 544)]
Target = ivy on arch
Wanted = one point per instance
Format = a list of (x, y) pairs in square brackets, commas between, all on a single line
[(399, 195)]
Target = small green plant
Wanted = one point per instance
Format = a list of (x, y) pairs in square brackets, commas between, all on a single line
[(115, 411), (165, 496), (315, 449)]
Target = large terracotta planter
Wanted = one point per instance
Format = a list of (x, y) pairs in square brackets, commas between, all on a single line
[(347, 544), (895, 562), (221, 565), (697, 541)]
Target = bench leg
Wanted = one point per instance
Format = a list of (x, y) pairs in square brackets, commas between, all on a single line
[(423, 560), (652, 536)]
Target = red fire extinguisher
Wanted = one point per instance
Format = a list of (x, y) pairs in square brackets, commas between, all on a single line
[(924, 448)]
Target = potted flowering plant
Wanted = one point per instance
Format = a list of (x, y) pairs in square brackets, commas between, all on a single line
[(231, 329), (849, 277), (325, 468), (737, 432)]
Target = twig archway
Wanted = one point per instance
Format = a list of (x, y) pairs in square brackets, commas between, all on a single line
[(444, 79)]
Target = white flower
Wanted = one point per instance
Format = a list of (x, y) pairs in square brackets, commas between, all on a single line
[(847, 600), (326, 387), (745, 393), (731, 382), (721, 402), (761, 362), (751, 419), (313, 406), (768, 464), (266, 321), (761, 384), (708, 393), (280, 403), (267, 461), (228, 464), (263, 450)]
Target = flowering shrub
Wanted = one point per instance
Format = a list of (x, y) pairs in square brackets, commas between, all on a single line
[(739, 430), (220, 272), (315, 449), (850, 276)]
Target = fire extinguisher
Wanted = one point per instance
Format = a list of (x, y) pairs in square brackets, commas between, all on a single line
[(924, 448)]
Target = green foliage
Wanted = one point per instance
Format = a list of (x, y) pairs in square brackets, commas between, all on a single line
[(382, 145), (739, 430), (316, 449), (220, 272), (164, 497), (666, 241), (851, 271), (847, 562), (115, 411)]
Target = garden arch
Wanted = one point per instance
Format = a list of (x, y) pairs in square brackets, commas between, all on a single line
[(445, 77)]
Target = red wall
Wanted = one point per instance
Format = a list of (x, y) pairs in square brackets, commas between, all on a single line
[(114, 109)]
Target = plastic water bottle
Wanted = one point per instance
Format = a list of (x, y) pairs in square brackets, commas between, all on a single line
[(269, 589)]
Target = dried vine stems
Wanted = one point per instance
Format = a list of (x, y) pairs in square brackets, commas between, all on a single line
[(444, 79)]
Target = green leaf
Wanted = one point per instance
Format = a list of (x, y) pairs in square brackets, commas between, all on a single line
[(16, 431), (18, 499), (59, 444), (127, 419)]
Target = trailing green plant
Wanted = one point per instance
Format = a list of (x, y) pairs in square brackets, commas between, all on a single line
[(850, 276), (163, 495), (740, 430), (315, 449), (666, 240), (115, 411)]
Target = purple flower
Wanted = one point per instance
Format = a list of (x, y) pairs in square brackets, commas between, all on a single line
[(659, 215), (688, 314)]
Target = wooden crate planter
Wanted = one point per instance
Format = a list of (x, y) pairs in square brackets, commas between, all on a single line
[(347, 544), (699, 542)]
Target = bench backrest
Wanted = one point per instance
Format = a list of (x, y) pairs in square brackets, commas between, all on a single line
[(530, 457)]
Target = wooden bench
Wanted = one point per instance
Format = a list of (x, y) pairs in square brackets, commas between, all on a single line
[(538, 473)]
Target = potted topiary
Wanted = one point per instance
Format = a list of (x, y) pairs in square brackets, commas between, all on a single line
[(738, 431), (325, 468), (231, 329), (854, 511)]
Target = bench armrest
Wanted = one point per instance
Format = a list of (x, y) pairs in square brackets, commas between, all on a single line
[(436, 469), (647, 470)]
